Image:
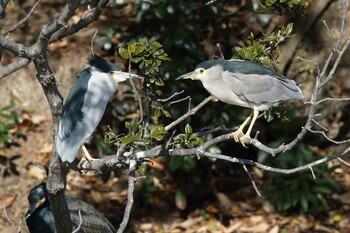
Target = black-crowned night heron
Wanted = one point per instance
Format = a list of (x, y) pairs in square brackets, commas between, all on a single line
[(86, 104), (246, 84), (40, 218)]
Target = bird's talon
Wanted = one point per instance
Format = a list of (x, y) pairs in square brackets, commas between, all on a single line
[(242, 139), (236, 135), (84, 167)]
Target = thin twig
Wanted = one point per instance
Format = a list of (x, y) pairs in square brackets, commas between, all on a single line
[(80, 223), (319, 125), (25, 19), (329, 31), (220, 50), (313, 173), (176, 101), (18, 229), (189, 113), (332, 99), (171, 97), (328, 138), (336, 63), (137, 96), (344, 162), (251, 180)]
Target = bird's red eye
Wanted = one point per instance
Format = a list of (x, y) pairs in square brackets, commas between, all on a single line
[(201, 71)]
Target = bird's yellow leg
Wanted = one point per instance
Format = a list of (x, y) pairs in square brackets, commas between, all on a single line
[(236, 135), (86, 154), (247, 134), (86, 158)]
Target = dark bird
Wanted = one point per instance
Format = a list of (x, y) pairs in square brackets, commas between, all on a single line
[(40, 218)]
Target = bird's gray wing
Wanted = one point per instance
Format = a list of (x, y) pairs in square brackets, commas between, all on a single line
[(261, 88), (72, 113), (92, 220)]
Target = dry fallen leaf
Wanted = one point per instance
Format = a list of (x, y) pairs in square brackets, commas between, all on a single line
[(10, 200), (47, 148), (96, 196), (37, 172), (37, 119)]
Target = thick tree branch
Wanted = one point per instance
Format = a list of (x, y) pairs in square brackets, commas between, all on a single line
[(55, 25), (18, 49), (14, 66), (84, 22), (201, 151)]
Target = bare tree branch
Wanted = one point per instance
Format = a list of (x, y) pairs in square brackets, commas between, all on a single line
[(201, 151), (14, 66), (130, 202)]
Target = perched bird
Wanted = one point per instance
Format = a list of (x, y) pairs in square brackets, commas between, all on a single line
[(246, 84), (40, 219), (86, 104)]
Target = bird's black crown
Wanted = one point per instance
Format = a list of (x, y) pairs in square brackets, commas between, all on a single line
[(102, 64)]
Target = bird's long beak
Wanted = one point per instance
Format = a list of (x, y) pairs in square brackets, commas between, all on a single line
[(35, 205), (191, 75), (121, 76)]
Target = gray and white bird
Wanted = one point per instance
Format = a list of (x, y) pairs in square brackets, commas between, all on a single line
[(246, 84), (85, 105)]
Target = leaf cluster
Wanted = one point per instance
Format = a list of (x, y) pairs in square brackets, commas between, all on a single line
[(136, 133), (188, 139), (10, 117), (263, 50), (282, 6), (149, 57)]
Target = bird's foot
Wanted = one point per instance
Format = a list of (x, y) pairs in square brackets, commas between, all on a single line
[(84, 166), (239, 136), (243, 138), (236, 135)]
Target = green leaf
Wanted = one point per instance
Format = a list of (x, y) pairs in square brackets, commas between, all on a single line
[(131, 48), (128, 126), (159, 82), (166, 113), (157, 113), (139, 49), (158, 132), (289, 28), (123, 52), (156, 45), (136, 59), (180, 200), (188, 129), (127, 140), (322, 189)]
